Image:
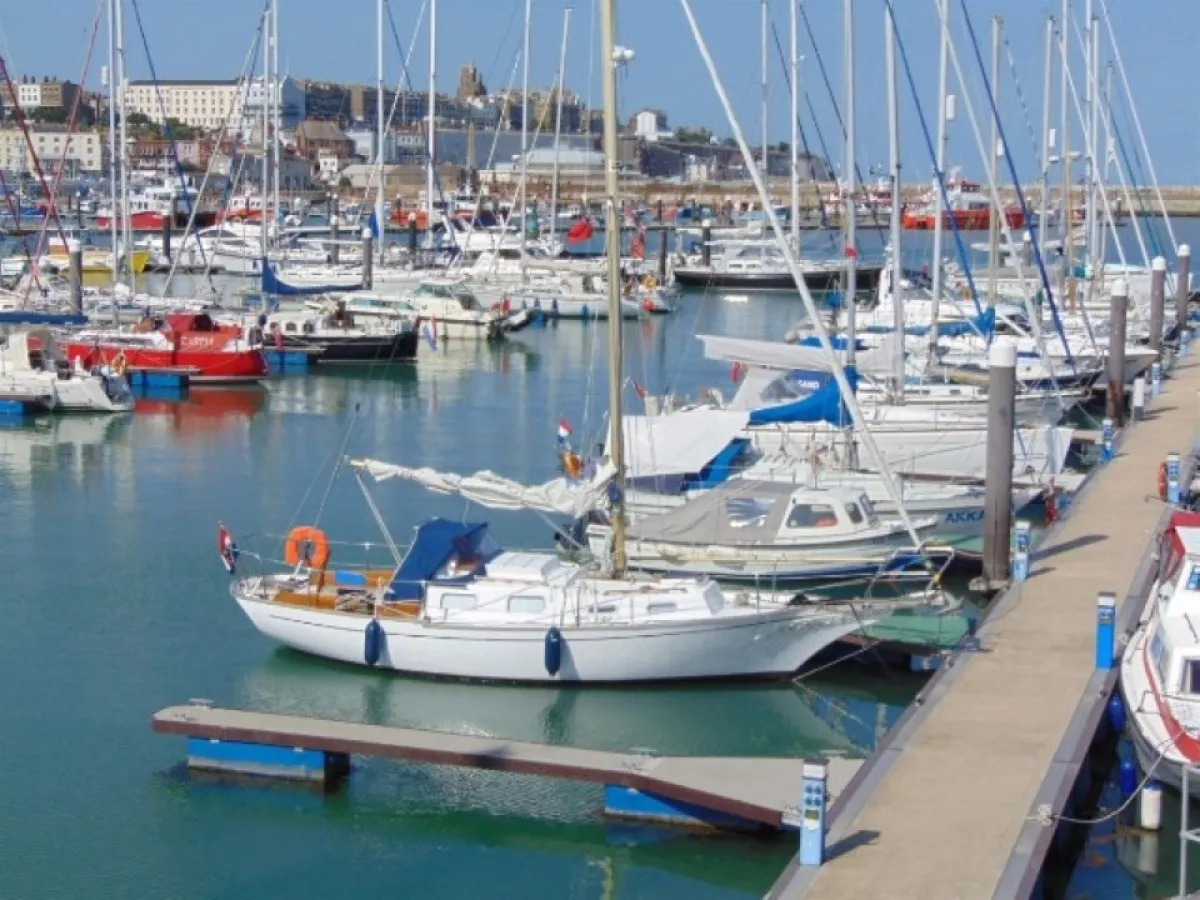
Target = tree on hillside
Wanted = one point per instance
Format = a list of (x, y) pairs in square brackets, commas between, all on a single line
[(693, 135), (48, 115)]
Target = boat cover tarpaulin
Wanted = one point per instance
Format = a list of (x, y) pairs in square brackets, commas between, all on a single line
[(275, 286), (562, 495), (437, 542), (678, 443)]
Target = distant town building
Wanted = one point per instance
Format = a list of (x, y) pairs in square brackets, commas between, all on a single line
[(315, 140), (325, 101), (288, 94), (82, 151), (470, 83), (650, 125), (46, 94), (197, 103), (540, 163)]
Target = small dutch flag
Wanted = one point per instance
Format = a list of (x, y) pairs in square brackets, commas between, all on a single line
[(564, 432)]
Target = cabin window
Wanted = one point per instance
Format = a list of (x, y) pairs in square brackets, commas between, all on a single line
[(1193, 583), (656, 609), (854, 513), (529, 604), (1191, 676), (747, 512), (1158, 657), (290, 327), (602, 608), (458, 601), (812, 515)]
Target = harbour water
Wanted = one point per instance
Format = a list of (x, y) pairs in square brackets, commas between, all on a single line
[(116, 604)]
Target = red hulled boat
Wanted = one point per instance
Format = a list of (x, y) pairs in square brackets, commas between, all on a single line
[(191, 342)]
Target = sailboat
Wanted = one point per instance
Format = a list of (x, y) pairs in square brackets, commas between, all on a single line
[(457, 605)]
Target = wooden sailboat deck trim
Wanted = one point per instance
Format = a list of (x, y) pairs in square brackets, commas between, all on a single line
[(760, 790), (947, 808)]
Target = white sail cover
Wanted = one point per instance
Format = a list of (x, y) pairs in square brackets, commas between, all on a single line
[(877, 361), (678, 443), (571, 498)]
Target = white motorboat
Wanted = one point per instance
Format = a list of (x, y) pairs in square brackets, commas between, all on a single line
[(448, 308), (457, 606), (770, 533), (1160, 667), (34, 359)]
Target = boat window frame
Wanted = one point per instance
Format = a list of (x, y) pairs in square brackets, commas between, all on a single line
[(528, 595), (854, 513), (442, 597), (818, 511)]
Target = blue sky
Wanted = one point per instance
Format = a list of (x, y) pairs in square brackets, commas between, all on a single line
[(334, 39)]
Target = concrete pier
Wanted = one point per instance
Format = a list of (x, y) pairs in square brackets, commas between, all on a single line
[(716, 792), (960, 799)]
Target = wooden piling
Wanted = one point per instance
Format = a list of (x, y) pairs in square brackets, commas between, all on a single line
[(997, 508), (1183, 286), (1118, 310), (368, 259), (75, 274), (1158, 295)]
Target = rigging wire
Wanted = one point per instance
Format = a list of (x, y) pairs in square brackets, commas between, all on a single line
[(168, 133)]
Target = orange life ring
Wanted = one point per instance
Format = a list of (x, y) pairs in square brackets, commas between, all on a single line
[(1162, 481), (306, 544), (573, 465)]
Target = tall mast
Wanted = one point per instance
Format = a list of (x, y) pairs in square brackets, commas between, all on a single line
[(122, 136), (1065, 154), (432, 136), (379, 127), (524, 192), (1047, 80), (608, 64), (850, 224), (893, 102), (275, 99), (266, 118), (1093, 127), (795, 137), (114, 93), (766, 151), (939, 208), (997, 213), (562, 80)]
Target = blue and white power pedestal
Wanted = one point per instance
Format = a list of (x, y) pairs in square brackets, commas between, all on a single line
[(1185, 338), (813, 796), (1173, 486), (1107, 436), (1020, 551), (1106, 630), (1156, 379)]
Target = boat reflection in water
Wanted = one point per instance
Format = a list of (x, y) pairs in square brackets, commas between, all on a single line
[(59, 446), (519, 813), (200, 412)]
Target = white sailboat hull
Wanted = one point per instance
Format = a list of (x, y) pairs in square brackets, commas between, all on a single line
[(741, 644), (948, 450)]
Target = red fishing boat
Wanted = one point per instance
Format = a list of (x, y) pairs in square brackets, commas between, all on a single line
[(185, 342), (969, 209)]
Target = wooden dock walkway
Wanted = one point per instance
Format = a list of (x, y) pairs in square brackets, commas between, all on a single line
[(947, 810), (763, 791)]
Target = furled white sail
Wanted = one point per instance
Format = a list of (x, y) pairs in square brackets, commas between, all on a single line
[(562, 495)]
